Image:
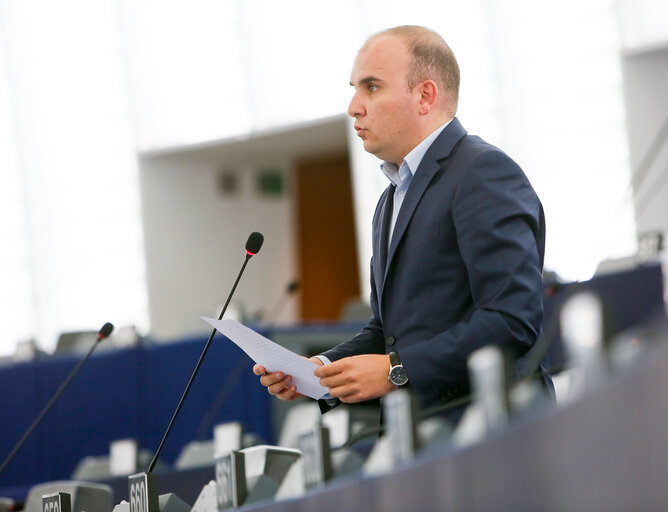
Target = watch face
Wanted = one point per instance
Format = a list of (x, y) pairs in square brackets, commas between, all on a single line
[(398, 376)]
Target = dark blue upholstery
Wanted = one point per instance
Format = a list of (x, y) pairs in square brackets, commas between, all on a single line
[(121, 394)]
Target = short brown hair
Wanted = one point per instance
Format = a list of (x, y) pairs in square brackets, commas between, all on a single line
[(432, 58)]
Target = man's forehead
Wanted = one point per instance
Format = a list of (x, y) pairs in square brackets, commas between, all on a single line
[(379, 59)]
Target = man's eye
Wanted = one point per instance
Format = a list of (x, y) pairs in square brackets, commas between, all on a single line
[(372, 87)]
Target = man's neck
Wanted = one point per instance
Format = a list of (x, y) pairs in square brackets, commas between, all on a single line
[(429, 127), (426, 131), (434, 124), (415, 155)]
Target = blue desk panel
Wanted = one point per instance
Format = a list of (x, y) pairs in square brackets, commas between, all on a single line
[(128, 393)]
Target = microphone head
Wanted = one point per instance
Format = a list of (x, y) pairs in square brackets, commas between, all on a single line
[(106, 330), (254, 243)]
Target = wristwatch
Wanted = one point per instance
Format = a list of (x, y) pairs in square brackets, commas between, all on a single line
[(397, 376)]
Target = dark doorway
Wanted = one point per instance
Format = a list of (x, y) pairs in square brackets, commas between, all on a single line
[(326, 237)]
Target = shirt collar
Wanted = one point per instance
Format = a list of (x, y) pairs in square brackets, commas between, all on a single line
[(412, 160)]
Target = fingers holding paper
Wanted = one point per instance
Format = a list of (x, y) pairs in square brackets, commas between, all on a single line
[(278, 383), (356, 378)]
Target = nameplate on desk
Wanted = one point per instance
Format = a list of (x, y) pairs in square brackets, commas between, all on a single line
[(317, 456), (230, 480), (143, 493), (57, 502), (399, 410)]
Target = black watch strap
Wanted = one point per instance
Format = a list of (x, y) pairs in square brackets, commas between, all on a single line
[(397, 375), (394, 359)]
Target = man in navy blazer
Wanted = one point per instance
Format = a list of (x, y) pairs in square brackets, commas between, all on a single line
[(458, 236)]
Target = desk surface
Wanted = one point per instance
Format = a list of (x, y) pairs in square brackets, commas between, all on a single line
[(608, 451)]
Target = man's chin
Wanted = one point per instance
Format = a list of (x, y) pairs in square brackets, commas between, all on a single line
[(371, 148)]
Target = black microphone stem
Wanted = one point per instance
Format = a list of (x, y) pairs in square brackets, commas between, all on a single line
[(55, 397), (243, 267), (194, 374)]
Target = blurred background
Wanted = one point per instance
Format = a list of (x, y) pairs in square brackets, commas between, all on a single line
[(141, 141)]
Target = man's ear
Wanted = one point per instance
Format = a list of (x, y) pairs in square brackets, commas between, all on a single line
[(429, 92)]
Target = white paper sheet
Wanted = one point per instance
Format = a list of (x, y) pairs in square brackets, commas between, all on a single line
[(273, 356)]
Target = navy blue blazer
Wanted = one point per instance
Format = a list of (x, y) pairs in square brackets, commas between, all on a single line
[(463, 269)]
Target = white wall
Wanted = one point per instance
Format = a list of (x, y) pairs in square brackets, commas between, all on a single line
[(195, 239), (645, 79), (195, 235), (643, 23)]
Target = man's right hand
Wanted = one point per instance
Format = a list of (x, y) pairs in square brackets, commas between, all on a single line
[(279, 384)]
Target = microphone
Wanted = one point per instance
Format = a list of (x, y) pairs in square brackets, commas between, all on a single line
[(290, 289), (104, 332), (253, 246), (422, 414)]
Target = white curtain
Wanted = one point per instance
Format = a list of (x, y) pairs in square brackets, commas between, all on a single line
[(557, 71), (15, 288), (86, 84), (75, 231)]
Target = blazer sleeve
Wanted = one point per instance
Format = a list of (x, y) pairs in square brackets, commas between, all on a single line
[(500, 235)]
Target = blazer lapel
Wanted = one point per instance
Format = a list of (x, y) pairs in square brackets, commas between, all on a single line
[(416, 190), (426, 171), (385, 227), (380, 238)]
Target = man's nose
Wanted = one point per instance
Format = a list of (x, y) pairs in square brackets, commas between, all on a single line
[(355, 108)]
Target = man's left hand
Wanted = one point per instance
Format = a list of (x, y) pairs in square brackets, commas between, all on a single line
[(357, 378)]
